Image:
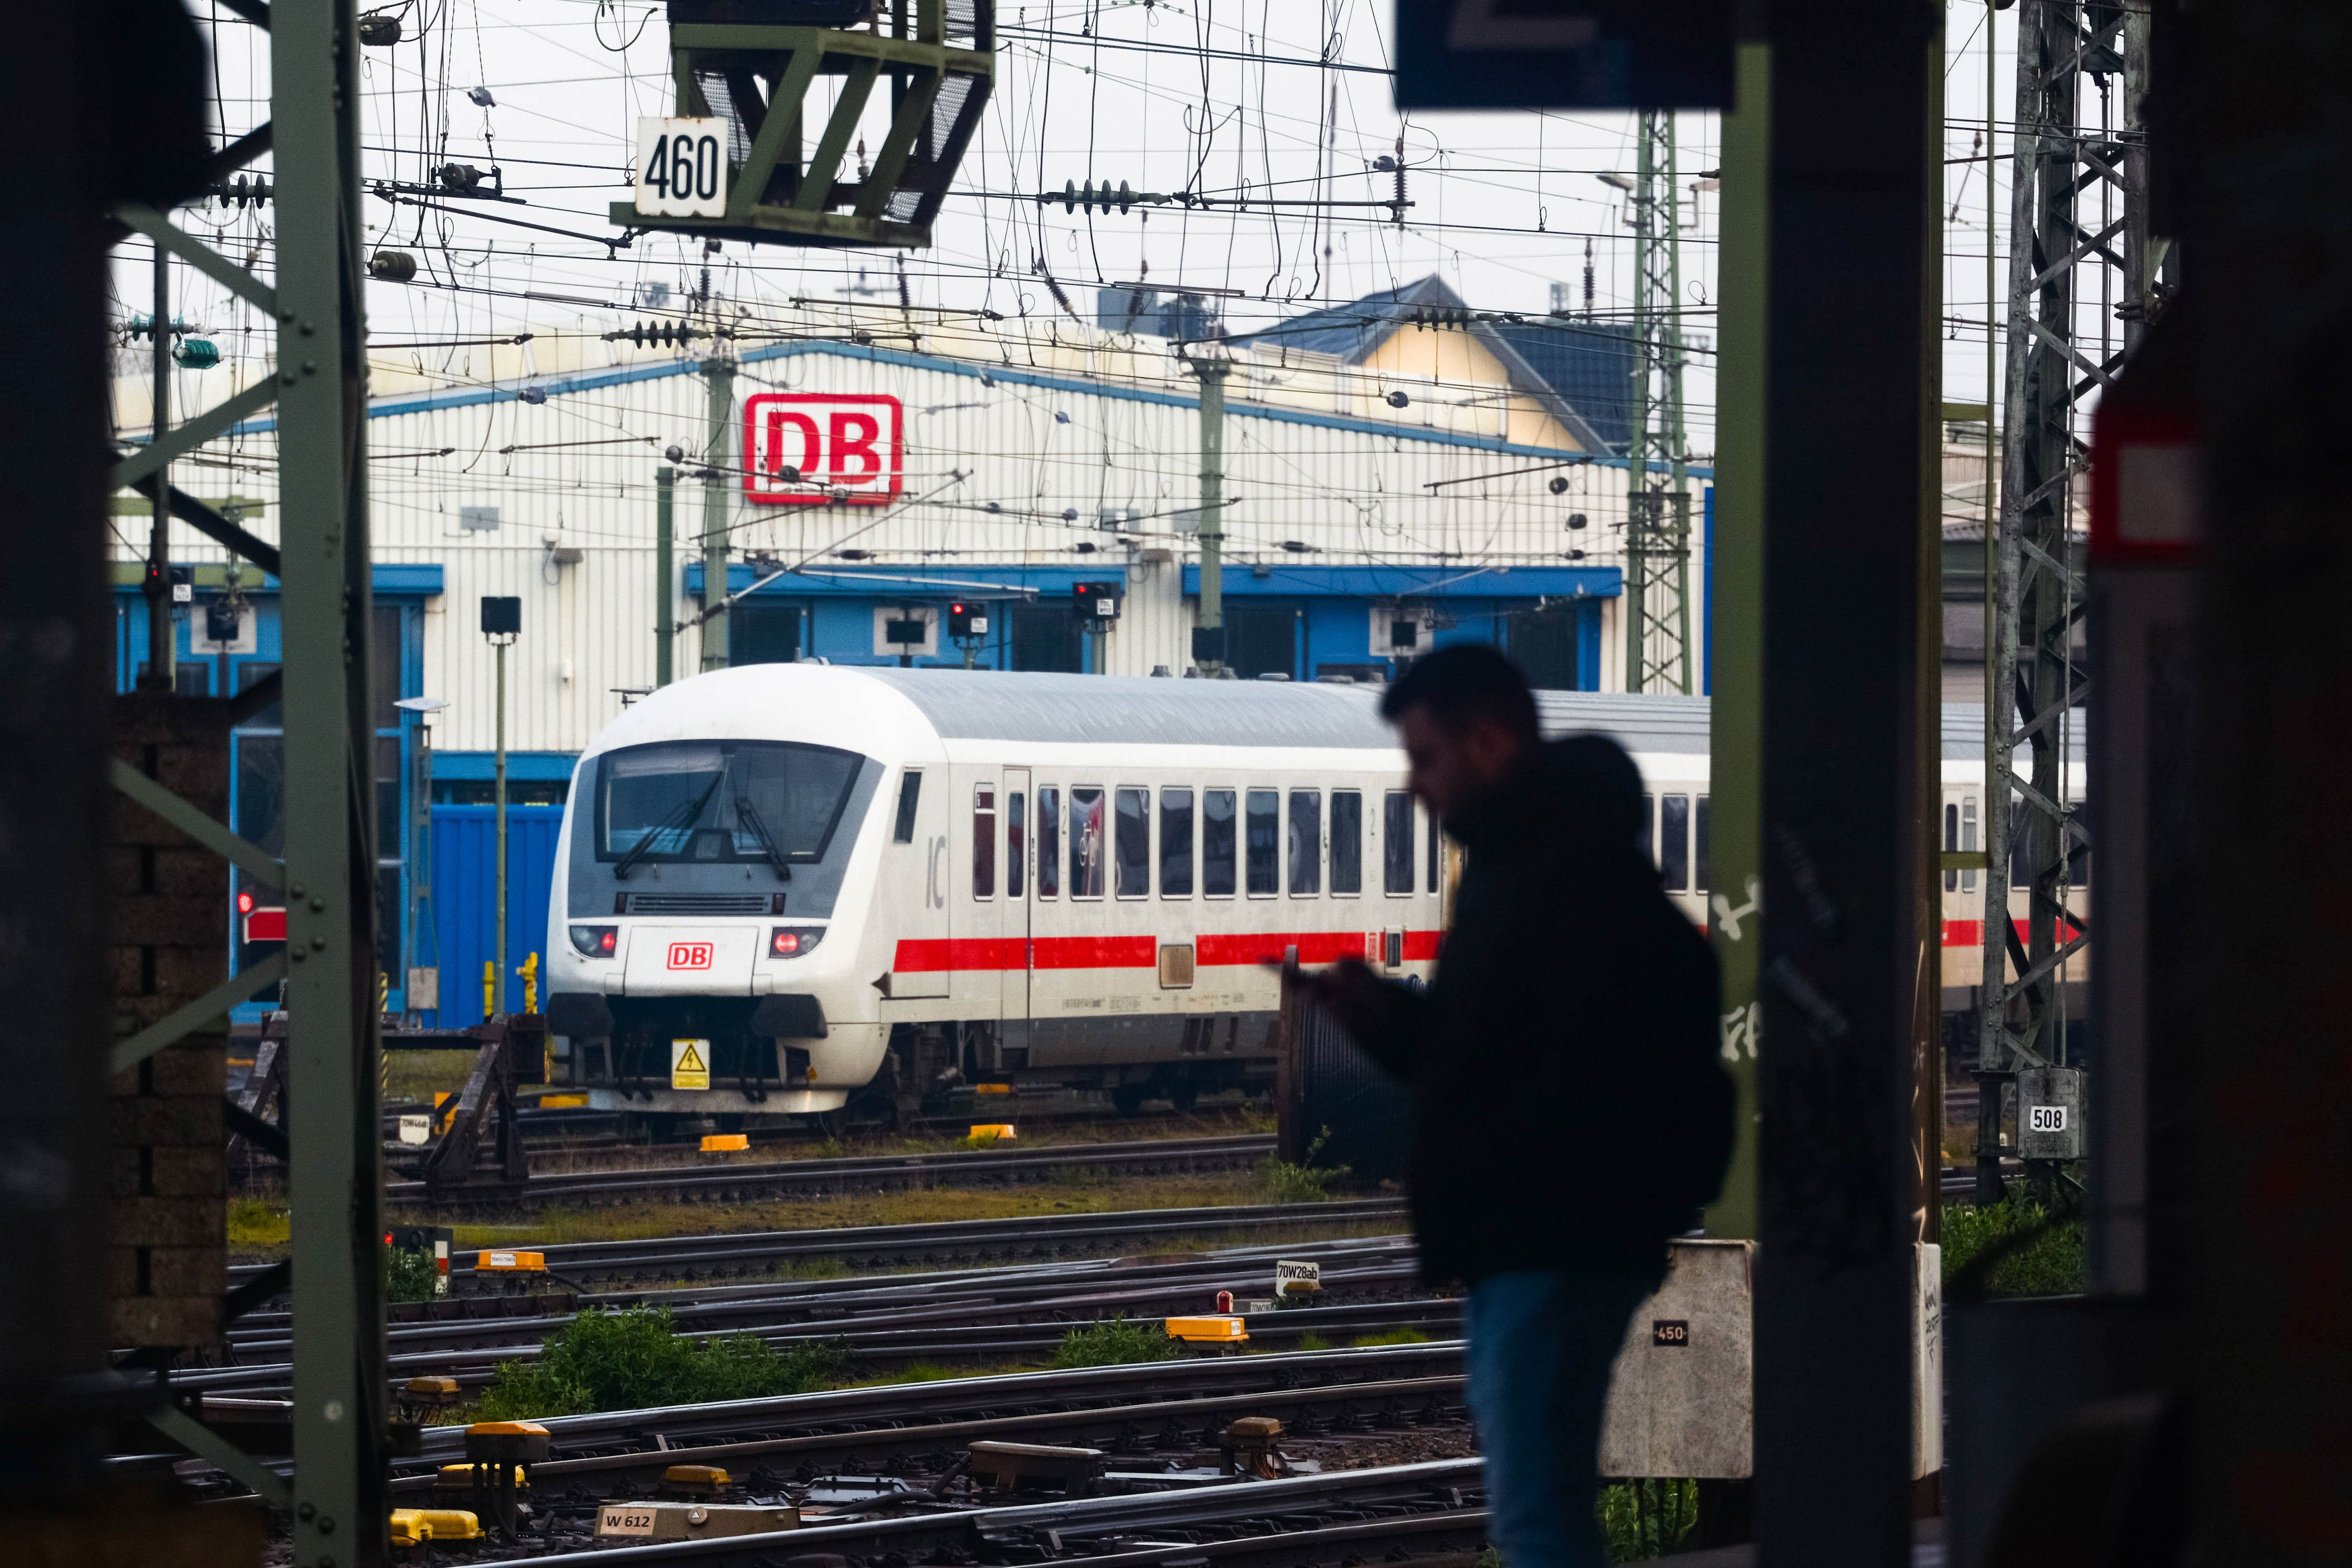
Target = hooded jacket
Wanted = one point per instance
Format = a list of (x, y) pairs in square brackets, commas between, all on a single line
[(1570, 1105)]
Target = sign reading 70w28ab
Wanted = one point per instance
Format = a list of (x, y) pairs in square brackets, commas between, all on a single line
[(812, 449)]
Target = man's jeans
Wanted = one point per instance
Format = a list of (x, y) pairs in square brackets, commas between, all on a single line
[(1542, 1343)]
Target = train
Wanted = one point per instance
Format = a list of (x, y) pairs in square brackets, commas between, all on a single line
[(778, 886)]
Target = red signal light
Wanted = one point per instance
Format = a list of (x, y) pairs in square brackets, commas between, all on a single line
[(787, 943), (245, 903)]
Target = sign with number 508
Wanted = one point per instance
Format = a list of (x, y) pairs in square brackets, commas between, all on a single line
[(682, 168)]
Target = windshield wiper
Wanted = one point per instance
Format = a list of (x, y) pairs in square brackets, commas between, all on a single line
[(682, 815), (749, 814)]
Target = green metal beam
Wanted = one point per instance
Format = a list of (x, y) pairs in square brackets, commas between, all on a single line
[(197, 254), (190, 434), (178, 1024), (1734, 624), (241, 852), (222, 1455), (335, 1165)]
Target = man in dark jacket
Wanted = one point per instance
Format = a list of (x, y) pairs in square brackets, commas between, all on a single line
[(1573, 1111)]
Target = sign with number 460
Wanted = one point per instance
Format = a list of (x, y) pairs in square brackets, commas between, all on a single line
[(681, 168)]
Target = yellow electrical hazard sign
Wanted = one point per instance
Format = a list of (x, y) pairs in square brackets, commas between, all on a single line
[(689, 1064)]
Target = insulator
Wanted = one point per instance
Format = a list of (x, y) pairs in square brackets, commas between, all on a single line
[(459, 176), (391, 267), (197, 353), (1069, 195), (379, 29), (243, 191)]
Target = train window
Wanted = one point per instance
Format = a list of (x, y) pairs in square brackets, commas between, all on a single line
[(910, 790), (2078, 847), (1434, 852), (2021, 865), (984, 841), (1086, 843), (759, 803), (1217, 844), (1396, 842), (1306, 842), (1967, 838), (1699, 882), (1674, 841), (1016, 841), (1649, 840), (1264, 832), (1134, 843), (1951, 844), (1049, 841), (1175, 843), (1347, 841)]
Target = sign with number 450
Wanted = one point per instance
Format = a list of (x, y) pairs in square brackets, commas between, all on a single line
[(681, 168)]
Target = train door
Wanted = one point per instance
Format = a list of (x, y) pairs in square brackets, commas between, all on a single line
[(1019, 900), (976, 919)]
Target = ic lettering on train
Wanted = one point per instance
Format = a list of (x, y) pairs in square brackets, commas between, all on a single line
[(689, 954), (801, 449)]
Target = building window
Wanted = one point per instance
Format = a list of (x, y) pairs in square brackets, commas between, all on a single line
[(1134, 812), (1217, 844), (1261, 639), (1045, 637), (1175, 843), (1347, 841), (1544, 643), (983, 842), (1264, 829), (1049, 841), (1086, 843), (1396, 842), (1306, 842), (759, 633)]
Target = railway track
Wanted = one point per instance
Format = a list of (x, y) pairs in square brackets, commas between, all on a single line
[(863, 1174), (983, 1315)]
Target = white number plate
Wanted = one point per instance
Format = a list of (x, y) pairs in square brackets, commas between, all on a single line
[(613, 1521), (2046, 1118), (681, 168)]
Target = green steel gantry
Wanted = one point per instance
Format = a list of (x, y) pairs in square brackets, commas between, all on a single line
[(319, 388)]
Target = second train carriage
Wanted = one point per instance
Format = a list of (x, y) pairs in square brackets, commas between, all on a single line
[(779, 883)]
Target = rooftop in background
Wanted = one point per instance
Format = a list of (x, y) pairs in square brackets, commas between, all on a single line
[(1581, 372)]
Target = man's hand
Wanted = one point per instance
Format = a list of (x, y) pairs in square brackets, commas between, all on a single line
[(1350, 991)]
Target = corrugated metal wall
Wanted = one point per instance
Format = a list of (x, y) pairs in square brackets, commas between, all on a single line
[(464, 900), (576, 473)]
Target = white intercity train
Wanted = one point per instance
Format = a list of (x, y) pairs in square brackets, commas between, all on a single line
[(776, 884)]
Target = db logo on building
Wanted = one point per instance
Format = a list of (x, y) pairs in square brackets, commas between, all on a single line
[(690, 955), (799, 448)]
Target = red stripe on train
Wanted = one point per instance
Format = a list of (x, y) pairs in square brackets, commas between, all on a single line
[(1970, 933), (936, 955)]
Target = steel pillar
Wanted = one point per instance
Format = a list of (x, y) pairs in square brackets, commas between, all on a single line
[(2057, 362), (1213, 373), (1850, 490), (719, 463), (335, 1175), (1658, 513), (665, 571)]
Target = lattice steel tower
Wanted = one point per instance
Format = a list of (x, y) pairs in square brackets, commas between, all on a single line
[(2082, 290), (1657, 511)]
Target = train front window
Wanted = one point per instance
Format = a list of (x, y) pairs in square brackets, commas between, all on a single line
[(721, 800)]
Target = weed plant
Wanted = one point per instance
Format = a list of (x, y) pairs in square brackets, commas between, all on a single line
[(410, 1274), (1304, 1182), (1120, 1341), (635, 1358), (1407, 1335), (1647, 1519), (2051, 1264)]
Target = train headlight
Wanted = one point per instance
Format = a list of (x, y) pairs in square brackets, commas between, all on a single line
[(791, 941), (596, 941)]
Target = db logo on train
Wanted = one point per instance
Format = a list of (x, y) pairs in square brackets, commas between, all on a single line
[(808, 449), (690, 955)]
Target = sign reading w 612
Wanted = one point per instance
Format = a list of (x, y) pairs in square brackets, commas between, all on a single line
[(800, 449)]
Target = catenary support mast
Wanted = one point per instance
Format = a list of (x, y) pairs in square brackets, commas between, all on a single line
[(1658, 513), (2077, 207)]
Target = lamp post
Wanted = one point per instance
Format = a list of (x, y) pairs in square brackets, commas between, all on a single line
[(501, 624)]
